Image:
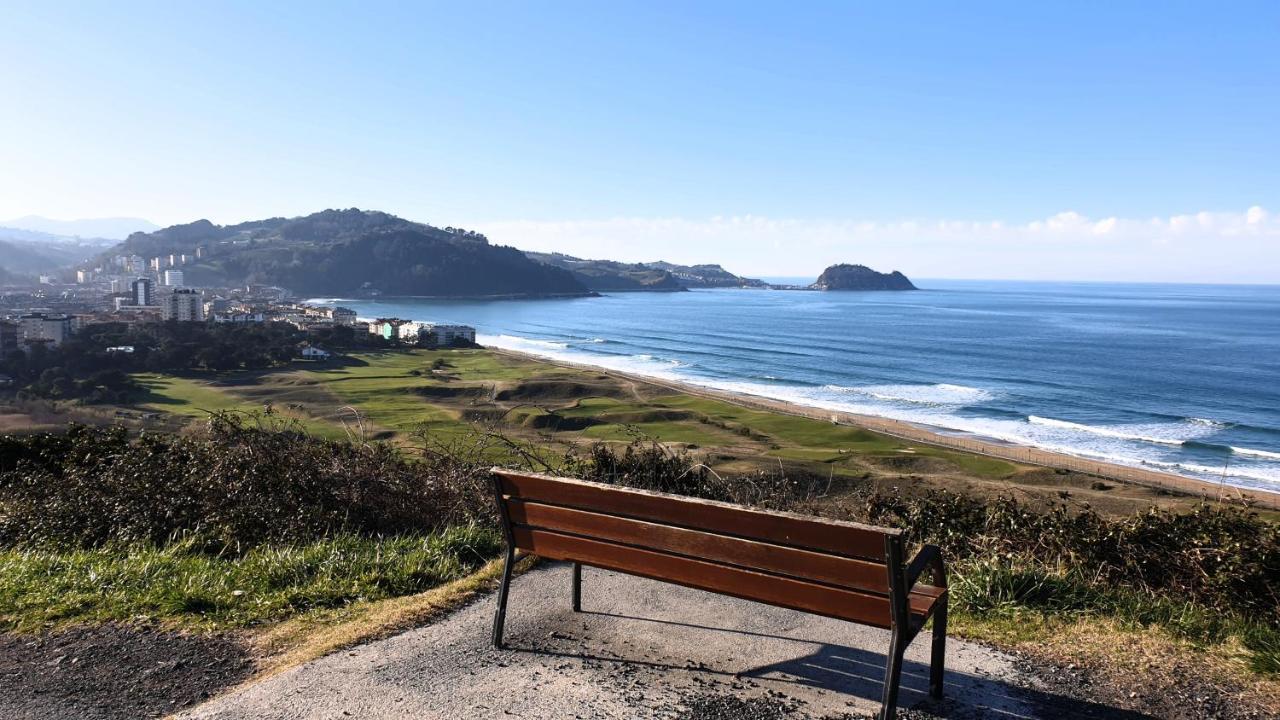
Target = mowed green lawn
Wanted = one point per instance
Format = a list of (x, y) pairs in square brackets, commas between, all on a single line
[(199, 398), (187, 396), (402, 391), (382, 387)]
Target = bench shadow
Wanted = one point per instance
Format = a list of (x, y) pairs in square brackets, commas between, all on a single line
[(860, 673)]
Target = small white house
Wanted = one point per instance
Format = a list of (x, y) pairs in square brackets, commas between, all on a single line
[(311, 352)]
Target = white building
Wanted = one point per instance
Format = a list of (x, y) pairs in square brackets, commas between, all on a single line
[(449, 335), (183, 305), (437, 335), (41, 328), (239, 318), (173, 278)]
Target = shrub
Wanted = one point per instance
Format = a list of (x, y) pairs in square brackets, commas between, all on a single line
[(237, 486), (1222, 557)]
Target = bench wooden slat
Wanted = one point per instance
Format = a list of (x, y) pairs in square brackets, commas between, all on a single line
[(850, 573), (830, 536), (785, 592)]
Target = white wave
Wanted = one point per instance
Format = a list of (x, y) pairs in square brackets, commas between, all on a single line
[(530, 342), (1270, 478), (938, 394), (597, 341), (646, 365), (1206, 421), (1141, 433), (933, 406), (1256, 453)]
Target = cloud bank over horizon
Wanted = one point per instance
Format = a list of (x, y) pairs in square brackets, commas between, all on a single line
[(1209, 247)]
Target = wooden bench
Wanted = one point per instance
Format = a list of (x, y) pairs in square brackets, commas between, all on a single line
[(837, 569)]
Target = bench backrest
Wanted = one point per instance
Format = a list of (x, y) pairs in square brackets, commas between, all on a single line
[(827, 567)]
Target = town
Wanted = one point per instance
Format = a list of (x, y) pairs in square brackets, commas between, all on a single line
[(131, 290)]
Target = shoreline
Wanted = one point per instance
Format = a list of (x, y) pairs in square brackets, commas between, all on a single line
[(1026, 454)]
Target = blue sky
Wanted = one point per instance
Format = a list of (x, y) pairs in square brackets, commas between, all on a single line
[(773, 138)]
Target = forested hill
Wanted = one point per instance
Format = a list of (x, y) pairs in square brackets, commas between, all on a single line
[(352, 252), (609, 275)]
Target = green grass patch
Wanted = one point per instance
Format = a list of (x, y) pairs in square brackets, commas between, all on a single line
[(270, 582), (979, 465), (381, 386), (187, 396), (1020, 599), (199, 399), (822, 455), (783, 428), (680, 432)]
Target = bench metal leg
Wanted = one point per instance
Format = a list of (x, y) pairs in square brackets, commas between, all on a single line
[(938, 659), (500, 618), (577, 587), (892, 677)]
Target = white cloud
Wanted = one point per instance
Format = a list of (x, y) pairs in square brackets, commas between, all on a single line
[(1190, 247)]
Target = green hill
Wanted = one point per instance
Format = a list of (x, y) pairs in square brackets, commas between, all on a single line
[(611, 276), (353, 252)]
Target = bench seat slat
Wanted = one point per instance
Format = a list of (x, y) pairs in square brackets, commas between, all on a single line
[(864, 608), (829, 536), (850, 573)]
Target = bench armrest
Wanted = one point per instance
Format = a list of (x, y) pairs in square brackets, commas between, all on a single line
[(929, 557)]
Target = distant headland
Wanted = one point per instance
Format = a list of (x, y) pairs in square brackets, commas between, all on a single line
[(860, 277), (359, 253)]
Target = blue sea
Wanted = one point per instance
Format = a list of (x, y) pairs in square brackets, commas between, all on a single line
[(1179, 378)]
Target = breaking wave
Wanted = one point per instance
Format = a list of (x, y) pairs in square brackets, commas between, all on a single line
[(937, 394)]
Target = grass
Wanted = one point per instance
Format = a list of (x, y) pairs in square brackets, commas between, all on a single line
[(678, 432), (185, 396), (386, 387), (39, 588), (381, 386), (199, 399), (1010, 600), (448, 393)]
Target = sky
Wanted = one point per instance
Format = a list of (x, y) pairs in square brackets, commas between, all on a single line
[(1088, 141)]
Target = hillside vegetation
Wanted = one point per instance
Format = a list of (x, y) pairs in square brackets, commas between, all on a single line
[(353, 252), (610, 275), (249, 522)]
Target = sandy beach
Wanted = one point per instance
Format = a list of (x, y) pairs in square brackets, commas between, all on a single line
[(932, 436)]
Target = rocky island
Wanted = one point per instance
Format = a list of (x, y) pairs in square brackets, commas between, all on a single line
[(860, 277)]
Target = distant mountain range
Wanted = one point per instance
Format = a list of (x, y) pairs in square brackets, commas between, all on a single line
[(29, 252), (28, 257), (113, 228), (367, 253)]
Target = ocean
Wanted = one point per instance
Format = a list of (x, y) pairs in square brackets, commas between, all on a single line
[(1178, 378)]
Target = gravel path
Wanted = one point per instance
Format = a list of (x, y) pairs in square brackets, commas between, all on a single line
[(114, 672), (641, 649)]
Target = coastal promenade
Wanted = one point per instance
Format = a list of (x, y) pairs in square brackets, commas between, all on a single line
[(1219, 492)]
